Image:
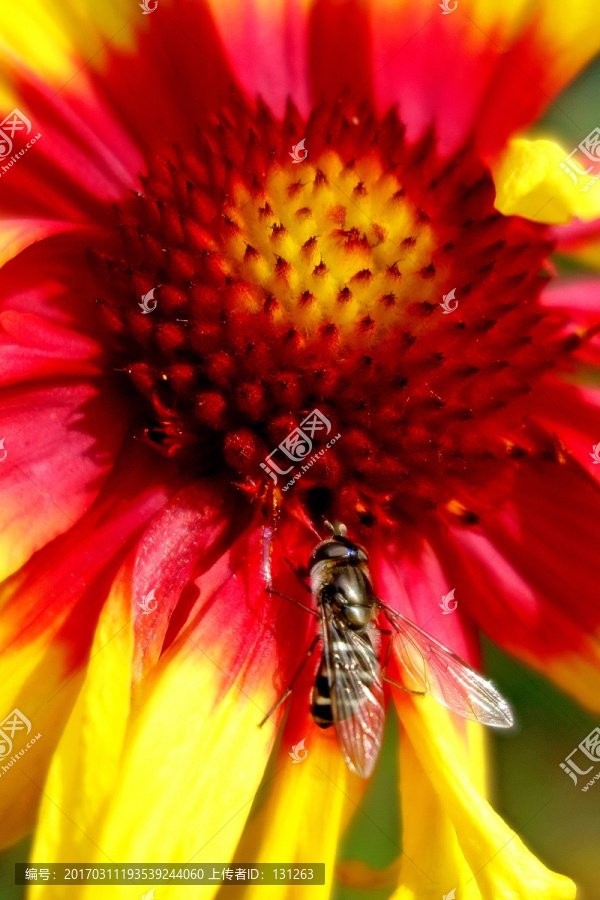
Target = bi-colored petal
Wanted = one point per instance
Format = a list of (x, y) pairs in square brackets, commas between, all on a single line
[(189, 718), (54, 40), (487, 68), (451, 836), (49, 609), (17, 234), (39, 670), (545, 614)]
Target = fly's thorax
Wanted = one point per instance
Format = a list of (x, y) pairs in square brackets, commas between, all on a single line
[(352, 595), (340, 579), (346, 588)]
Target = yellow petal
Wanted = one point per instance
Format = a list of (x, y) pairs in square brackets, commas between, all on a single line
[(452, 837), (569, 36), (167, 776), (309, 804), (432, 863), (431, 857), (29, 675), (86, 763), (54, 40), (530, 183)]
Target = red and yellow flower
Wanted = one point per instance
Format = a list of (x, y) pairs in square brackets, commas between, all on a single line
[(134, 441)]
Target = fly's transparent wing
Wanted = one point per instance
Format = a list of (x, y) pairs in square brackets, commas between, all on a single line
[(438, 671), (356, 693)]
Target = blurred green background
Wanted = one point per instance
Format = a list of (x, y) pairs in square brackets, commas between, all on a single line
[(565, 835)]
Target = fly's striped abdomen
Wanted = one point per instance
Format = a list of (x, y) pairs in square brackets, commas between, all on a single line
[(320, 706), (344, 660)]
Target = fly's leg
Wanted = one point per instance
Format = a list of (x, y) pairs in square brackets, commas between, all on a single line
[(295, 676), (287, 693), (385, 664), (301, 574), (313, 612)]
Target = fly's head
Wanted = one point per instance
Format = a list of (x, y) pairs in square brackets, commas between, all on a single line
[(338, 550)]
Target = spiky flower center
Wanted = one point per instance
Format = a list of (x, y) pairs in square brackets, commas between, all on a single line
[(281, 287)]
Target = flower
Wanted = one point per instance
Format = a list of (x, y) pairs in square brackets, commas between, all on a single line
[(135, 438)]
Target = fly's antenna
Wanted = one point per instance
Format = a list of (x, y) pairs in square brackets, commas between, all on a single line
[(338, 529)]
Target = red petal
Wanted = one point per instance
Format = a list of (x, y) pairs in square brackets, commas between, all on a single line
[(60, 443)]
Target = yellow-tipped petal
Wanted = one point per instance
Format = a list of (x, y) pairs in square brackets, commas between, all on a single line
[(54, 39), (432, 862), (450, 831), (168, 776), (86, 764), (431, 857), (17, 234), (571, 39), (530, 183), (29, 675), (308, 806)]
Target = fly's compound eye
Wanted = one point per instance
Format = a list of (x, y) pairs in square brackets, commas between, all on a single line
[(356, 553), (329, 550), (338, 548)]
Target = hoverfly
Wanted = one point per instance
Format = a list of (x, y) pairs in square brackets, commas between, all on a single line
[(348, 690)]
